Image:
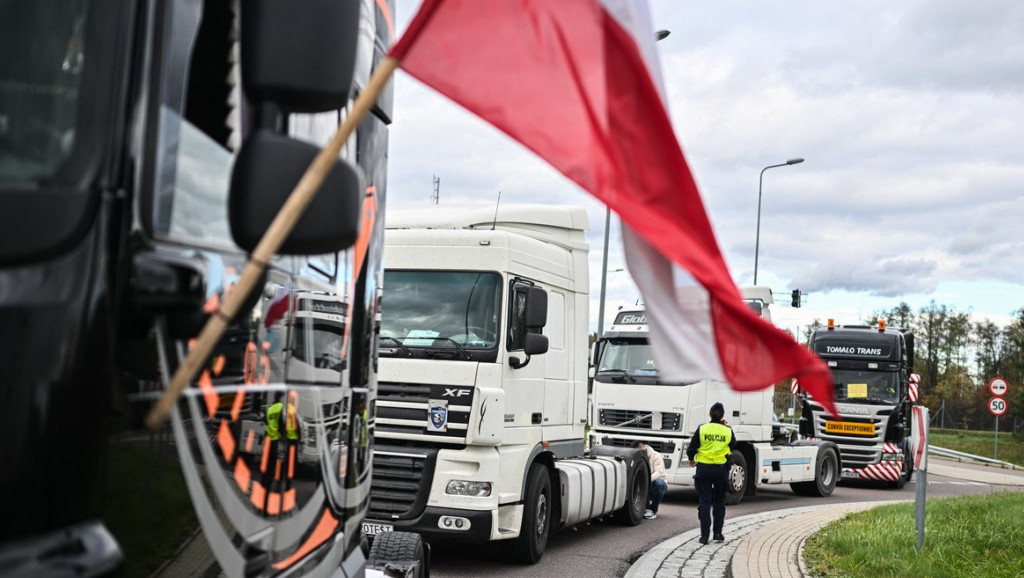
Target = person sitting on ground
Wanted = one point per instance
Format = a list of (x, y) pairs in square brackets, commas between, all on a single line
[(658, 484)]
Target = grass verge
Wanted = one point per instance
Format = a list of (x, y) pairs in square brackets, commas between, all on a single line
[(968, 536)]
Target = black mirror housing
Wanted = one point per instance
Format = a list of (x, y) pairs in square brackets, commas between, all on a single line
[(305, 57), (265, 172), (536, 344), (536, 308)]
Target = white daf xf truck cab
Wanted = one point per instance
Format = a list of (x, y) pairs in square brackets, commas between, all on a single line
[(482, 398)]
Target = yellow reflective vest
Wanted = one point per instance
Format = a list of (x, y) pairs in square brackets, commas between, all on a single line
[(274, 421), (714, 443)]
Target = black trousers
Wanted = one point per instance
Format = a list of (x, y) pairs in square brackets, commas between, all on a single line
[(712, 483)]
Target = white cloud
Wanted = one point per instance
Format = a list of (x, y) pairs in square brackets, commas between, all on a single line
[(909, 116)]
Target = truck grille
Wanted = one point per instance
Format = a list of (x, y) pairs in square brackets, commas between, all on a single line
[(403, 411), (401, 481), (662, 447), (644, 420), (857, 451)]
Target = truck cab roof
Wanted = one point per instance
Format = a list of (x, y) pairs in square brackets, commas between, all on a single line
[(557, 224)]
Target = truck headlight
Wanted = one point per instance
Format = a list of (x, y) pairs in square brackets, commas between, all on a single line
[(468, 488), (892, 457)]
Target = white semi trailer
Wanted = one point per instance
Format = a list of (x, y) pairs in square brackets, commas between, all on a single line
[(632, 402)]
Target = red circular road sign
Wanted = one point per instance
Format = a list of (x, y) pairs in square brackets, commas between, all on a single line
[(997, 386), (998, 406)]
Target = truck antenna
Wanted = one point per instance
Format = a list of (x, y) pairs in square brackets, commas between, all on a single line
[(495, 221)]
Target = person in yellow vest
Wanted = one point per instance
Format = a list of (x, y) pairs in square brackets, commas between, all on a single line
[(709, 451), (277, 468)]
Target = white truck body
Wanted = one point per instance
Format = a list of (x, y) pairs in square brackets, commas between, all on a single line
[(631, 403), (464, 415)]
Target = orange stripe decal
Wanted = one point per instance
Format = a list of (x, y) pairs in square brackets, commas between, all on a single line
[(242, 476), (324, 530), (209, 394), (289, 500), (258, 495), (226, 440), (274, 504), (218, 365), (266, 454), (249, 439), (360, 249), (291, 462), (236, 408)]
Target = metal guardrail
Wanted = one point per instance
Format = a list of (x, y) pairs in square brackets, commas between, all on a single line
[(953, 454)]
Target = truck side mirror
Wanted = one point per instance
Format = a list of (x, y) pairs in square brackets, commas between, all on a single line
[(305, 56), (536, 308), (536, 344), (265, 172), (296, 58), (598, 349), (529, 315)]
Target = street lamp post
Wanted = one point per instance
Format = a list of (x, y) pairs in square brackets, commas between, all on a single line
[(604, 273), (760, 181)]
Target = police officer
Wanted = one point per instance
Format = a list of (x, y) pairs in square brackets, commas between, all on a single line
[(709, 451), (279, 458)]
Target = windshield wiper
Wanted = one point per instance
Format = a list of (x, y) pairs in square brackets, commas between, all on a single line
[(622, 375), (398, 344), (460, 350)]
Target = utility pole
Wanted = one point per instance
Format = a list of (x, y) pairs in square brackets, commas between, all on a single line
[(436, 195)]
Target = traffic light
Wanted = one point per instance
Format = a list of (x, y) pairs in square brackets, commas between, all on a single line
[(796, 297)]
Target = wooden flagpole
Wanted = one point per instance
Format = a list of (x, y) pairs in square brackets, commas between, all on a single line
[(271, 241)]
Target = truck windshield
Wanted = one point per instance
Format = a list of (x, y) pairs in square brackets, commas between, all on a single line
[(40, 81), (854, 386), (441, 308), (624, 360)]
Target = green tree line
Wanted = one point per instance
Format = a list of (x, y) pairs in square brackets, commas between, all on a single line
[(956, 358)]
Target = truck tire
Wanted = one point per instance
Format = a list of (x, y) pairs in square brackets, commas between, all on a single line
[(399, 547), (638, 488), (826, 474), (737, 479), (533, 536)]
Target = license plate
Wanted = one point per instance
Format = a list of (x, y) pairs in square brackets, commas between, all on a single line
[(374, 528), (850, 428), (848, 475)]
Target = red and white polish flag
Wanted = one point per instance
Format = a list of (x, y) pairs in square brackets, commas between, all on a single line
[(577, 82)]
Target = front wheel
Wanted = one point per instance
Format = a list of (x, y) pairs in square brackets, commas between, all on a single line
[(826, 474), (737, 479), (638, 488), (533, 535), (399, 548)]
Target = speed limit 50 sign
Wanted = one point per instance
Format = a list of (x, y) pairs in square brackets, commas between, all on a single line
[(998, 406)]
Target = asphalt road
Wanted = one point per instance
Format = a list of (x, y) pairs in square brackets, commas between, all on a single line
[(605, 549)]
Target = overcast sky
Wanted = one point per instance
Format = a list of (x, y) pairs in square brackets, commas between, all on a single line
[(910, 116)]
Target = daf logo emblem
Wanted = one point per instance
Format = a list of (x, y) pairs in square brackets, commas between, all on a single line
[(457, 392), (438, 416)]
